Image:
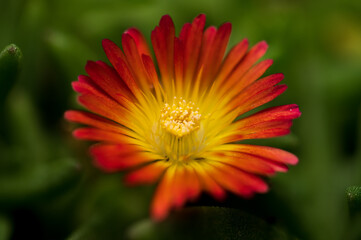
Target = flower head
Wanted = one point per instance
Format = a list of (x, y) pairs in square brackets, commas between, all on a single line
[(181, 127)]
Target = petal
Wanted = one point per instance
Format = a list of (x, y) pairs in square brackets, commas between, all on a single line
[(179, 66), (186, 185), (207, 182), (254, 73), (271, 122), (147, 174), (215, 46), (273, 154), (235, 180), (105, 107), (107, 79), (259, 93), (152, 75), (135, 62), (140, 41), (180, 186), (162, 200), (95, 134), (86, 85), (246, 163), (229, 85), (163, 43), (191, 36), (193, 183), (232, 59), (115, 157), (92, 120), (119, 62)]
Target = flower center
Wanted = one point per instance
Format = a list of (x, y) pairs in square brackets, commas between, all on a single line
[(180, 118)]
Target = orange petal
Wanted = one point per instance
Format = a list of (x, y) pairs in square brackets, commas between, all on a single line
[(191, 36), (115, 157), (208, 183), (100, 135), (147, 174), (245, 162), (232, 59), (243, 66), (92, 120), (215, 53), (162, 200), (259, 93), (235, 180), (274, 154), (271, 122), (105, 107)]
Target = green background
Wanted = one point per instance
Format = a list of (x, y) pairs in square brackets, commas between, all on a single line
[(48, 186)]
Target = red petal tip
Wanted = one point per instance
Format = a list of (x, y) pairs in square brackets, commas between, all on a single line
[(77, 133), (280, 76), (263, 44), (293, 160), (269, 61), (89, 64), (201, 16), (226, 25), (68, 115), (106, 43), (165, 20)]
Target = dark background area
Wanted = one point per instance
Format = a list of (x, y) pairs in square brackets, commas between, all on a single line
[(49, 188)]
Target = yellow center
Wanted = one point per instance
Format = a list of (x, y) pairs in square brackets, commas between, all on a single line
[(180, 118)]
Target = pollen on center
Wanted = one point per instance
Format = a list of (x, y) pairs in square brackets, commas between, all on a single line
[(180, 118)]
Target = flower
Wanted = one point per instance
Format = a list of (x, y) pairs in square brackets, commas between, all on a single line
[(181, 127)]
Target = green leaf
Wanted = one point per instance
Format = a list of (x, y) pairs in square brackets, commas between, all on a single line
[(36, 182), (354, 199), (5, 228), (70, 52), (206, 223), (109, 208), (10, 59)]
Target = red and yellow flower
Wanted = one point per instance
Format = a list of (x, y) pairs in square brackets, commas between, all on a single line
[(181, 127)]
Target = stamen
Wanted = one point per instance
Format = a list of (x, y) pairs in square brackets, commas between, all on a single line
[(180, 118)]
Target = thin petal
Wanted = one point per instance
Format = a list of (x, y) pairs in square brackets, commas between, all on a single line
[(90, 119), (207, 182), (96, 134), (274, 154), (118, 60), (135, 62), (140, 41), (115, 157), (243, 66), (106, 78), (105, 107), (162, 201), (271, 122), (147, 174), (215, 47), (232, 59), (235, 180), (191, 36), (163, 43), (259, 93)]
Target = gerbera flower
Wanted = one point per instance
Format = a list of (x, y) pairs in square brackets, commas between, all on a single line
[(180, 126)]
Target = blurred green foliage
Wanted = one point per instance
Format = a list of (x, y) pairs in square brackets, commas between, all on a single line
[(48, 186)]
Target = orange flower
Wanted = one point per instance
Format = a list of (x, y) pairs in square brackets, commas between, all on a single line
[(180, 127)]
